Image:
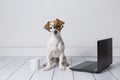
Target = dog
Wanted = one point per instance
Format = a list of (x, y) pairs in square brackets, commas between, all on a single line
[(55, 46)]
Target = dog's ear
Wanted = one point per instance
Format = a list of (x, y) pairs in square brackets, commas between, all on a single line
[(57, 19), (56, 22), (60, 22), (47, 26)]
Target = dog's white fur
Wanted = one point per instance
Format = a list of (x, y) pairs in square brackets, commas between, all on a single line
[(55, 49)]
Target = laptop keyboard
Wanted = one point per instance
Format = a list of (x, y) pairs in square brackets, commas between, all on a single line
[(87, 65)]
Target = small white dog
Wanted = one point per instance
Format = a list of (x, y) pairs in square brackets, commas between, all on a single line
[(55, 45)]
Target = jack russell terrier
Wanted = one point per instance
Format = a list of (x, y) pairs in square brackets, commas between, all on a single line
[(55, 46)]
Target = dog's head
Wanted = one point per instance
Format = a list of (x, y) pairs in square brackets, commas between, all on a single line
[(54, 26)]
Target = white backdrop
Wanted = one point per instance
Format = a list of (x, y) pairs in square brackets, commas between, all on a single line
[(86, 21)]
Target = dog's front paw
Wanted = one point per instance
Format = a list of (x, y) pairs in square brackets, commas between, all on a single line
[(46, 68), (62, 67)]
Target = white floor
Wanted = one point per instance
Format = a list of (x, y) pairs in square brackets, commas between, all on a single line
[(16, 68)]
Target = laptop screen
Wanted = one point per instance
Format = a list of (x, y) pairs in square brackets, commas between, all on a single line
[(104, 48)]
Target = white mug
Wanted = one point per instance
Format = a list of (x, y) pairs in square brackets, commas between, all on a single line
[(34, 64)]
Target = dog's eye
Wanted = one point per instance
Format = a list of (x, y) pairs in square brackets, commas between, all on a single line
[(50, 27)]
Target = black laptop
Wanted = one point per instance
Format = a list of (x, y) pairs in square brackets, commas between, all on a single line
[(104, 58)]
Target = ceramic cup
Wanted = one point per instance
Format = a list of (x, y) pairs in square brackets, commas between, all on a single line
[(34, 64)]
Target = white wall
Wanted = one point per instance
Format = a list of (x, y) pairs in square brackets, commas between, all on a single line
[(22, 21)]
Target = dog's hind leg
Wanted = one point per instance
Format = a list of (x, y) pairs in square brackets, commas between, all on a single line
[(65, 63), (61, 62)]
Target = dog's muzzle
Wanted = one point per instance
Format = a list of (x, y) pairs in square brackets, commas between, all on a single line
[(55, 32)]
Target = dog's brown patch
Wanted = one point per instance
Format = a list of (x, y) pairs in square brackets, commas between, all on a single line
[(47, 26), (56, 23)]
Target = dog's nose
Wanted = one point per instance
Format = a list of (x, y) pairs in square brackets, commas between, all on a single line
[(55, 32)]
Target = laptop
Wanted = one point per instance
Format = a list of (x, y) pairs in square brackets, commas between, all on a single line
[(104, 58)]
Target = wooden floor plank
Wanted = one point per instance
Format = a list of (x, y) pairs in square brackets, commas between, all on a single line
[(6, 61), (81, 75), (116, 59), (43, 75), (12, 68), (104, 75), (6, 72), (115, 70), (63, 74), (1, 58), (24, 73)]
